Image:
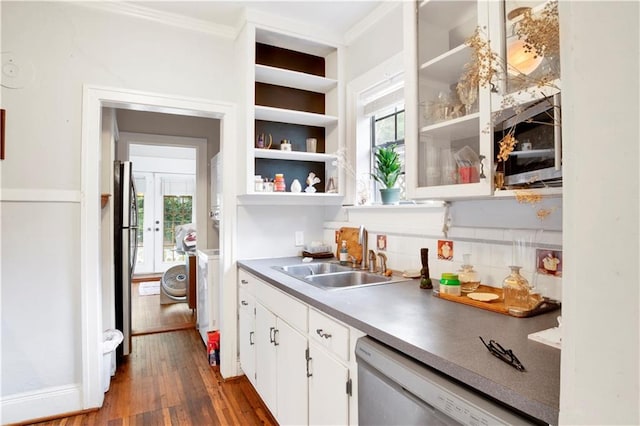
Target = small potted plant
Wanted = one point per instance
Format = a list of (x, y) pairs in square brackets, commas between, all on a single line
[(386, 173)]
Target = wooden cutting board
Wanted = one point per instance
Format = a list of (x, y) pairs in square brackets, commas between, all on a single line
[(350, 235), (544, 305)]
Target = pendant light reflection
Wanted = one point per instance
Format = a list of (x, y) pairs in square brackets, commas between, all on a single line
[(520, 61)]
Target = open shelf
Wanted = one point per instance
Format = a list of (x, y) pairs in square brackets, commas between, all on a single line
[(439, 69), (276, 154), (294, 79), (293, 117)]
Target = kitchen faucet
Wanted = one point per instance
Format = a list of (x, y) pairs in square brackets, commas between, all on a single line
[(363, 236), (383, 263), (372, 261)]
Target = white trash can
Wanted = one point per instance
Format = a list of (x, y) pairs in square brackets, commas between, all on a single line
[(110, 341)]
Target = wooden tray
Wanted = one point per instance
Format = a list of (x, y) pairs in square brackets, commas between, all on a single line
[(543, 304)]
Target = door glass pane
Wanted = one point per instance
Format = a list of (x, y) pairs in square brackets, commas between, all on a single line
[(141, 189), (178, 210)]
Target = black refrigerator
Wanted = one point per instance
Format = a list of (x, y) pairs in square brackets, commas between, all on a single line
[(125, 245)]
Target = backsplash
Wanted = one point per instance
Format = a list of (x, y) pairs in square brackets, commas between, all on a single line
[(492, 251)]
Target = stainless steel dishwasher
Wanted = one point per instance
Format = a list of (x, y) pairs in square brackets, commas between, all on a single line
[(394, 389)]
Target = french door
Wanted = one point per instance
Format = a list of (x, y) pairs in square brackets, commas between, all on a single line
[(165, 201)]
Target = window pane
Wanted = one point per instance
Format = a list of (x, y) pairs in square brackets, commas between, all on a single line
[(177, 211), (400, 128), (385, 130)]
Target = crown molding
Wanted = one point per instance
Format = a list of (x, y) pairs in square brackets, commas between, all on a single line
[(371, 19), (295, 27), (166, 18)]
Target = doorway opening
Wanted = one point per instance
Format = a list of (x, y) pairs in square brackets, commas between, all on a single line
[(96, 229), (171, 191)]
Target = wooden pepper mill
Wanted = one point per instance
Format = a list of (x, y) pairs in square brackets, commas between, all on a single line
[(425, 280)]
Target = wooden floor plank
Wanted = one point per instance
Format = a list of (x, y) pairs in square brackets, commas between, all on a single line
[(168, 381)]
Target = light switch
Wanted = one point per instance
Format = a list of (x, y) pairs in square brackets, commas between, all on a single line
[(299, 238)]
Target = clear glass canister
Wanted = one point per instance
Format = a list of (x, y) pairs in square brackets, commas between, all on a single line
[(469, 279), (516, 290)]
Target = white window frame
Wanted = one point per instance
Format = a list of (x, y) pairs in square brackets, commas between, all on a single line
[(359, 126)]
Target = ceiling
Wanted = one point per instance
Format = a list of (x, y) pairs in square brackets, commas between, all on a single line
[(337, 16)]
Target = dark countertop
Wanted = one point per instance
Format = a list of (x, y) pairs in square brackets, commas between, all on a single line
[(441, 334)]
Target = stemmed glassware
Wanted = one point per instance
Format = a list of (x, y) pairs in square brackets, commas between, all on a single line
[(467, 93)]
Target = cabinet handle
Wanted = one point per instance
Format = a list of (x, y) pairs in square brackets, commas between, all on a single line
[(271, 335), (251, 342), (276, 333), (244, 281), (321, 333), (482, 175), (308, 358), (244, 303)]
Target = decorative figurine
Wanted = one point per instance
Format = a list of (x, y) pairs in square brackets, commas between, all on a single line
[(312, 179), (262, 141)]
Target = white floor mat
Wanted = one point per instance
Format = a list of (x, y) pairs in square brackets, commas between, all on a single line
[(149, 288)]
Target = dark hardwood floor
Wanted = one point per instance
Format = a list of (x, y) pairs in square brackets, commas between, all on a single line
[(168, 381)]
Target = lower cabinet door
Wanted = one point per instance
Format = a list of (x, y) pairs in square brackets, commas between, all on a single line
[(266, 357), (292, 375), (247, 337), (328, 398)]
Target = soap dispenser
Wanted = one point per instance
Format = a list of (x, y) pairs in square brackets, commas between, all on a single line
[(469, 280), (344, 253)]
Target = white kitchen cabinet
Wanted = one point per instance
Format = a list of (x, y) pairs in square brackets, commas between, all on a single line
[(329, 388), (281, 371), (295, 93), (247, 334), (304, 368), (449, 155), (451, 149)]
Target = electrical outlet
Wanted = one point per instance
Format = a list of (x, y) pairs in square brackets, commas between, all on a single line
[(299, 238)]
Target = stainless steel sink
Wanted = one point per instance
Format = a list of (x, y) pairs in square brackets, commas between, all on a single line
[(332, 276), (302, 270)]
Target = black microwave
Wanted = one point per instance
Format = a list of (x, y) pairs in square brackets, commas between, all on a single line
[(536, 160)]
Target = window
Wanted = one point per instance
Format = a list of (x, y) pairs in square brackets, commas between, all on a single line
[(387, 128)]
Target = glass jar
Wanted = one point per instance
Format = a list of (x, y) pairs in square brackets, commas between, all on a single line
[(279, 184), (450, 284), (469, 280), (516, 290), (258, 183)]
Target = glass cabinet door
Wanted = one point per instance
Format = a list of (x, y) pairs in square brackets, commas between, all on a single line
[(449, 154)]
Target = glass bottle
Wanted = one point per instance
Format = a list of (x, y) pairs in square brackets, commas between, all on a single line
[(516, 290), (344, 253), (425, 280), (469, 280)]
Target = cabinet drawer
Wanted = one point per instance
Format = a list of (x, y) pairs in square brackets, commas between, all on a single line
[(246, 302), (329, 333), (284, 306), (246, 281)]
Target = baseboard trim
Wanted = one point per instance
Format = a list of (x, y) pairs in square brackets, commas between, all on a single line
[(46, 403)]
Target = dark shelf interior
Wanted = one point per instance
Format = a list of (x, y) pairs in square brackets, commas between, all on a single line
[(297, 134), (289, 59), (267, 168), (289, 98)]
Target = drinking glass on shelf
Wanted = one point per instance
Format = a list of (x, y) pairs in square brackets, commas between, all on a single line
[(467, 93)]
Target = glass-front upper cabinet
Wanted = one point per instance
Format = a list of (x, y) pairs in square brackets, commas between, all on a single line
[(448, 134), (526, 102)]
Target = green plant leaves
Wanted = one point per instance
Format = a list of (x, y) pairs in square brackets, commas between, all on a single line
[(388, 167)]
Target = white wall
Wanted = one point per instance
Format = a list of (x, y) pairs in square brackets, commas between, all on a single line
[(375, 45), (600, 356), (66, 46), (269, 231)]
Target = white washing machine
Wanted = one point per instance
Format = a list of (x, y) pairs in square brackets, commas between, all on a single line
[(208, 292)]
